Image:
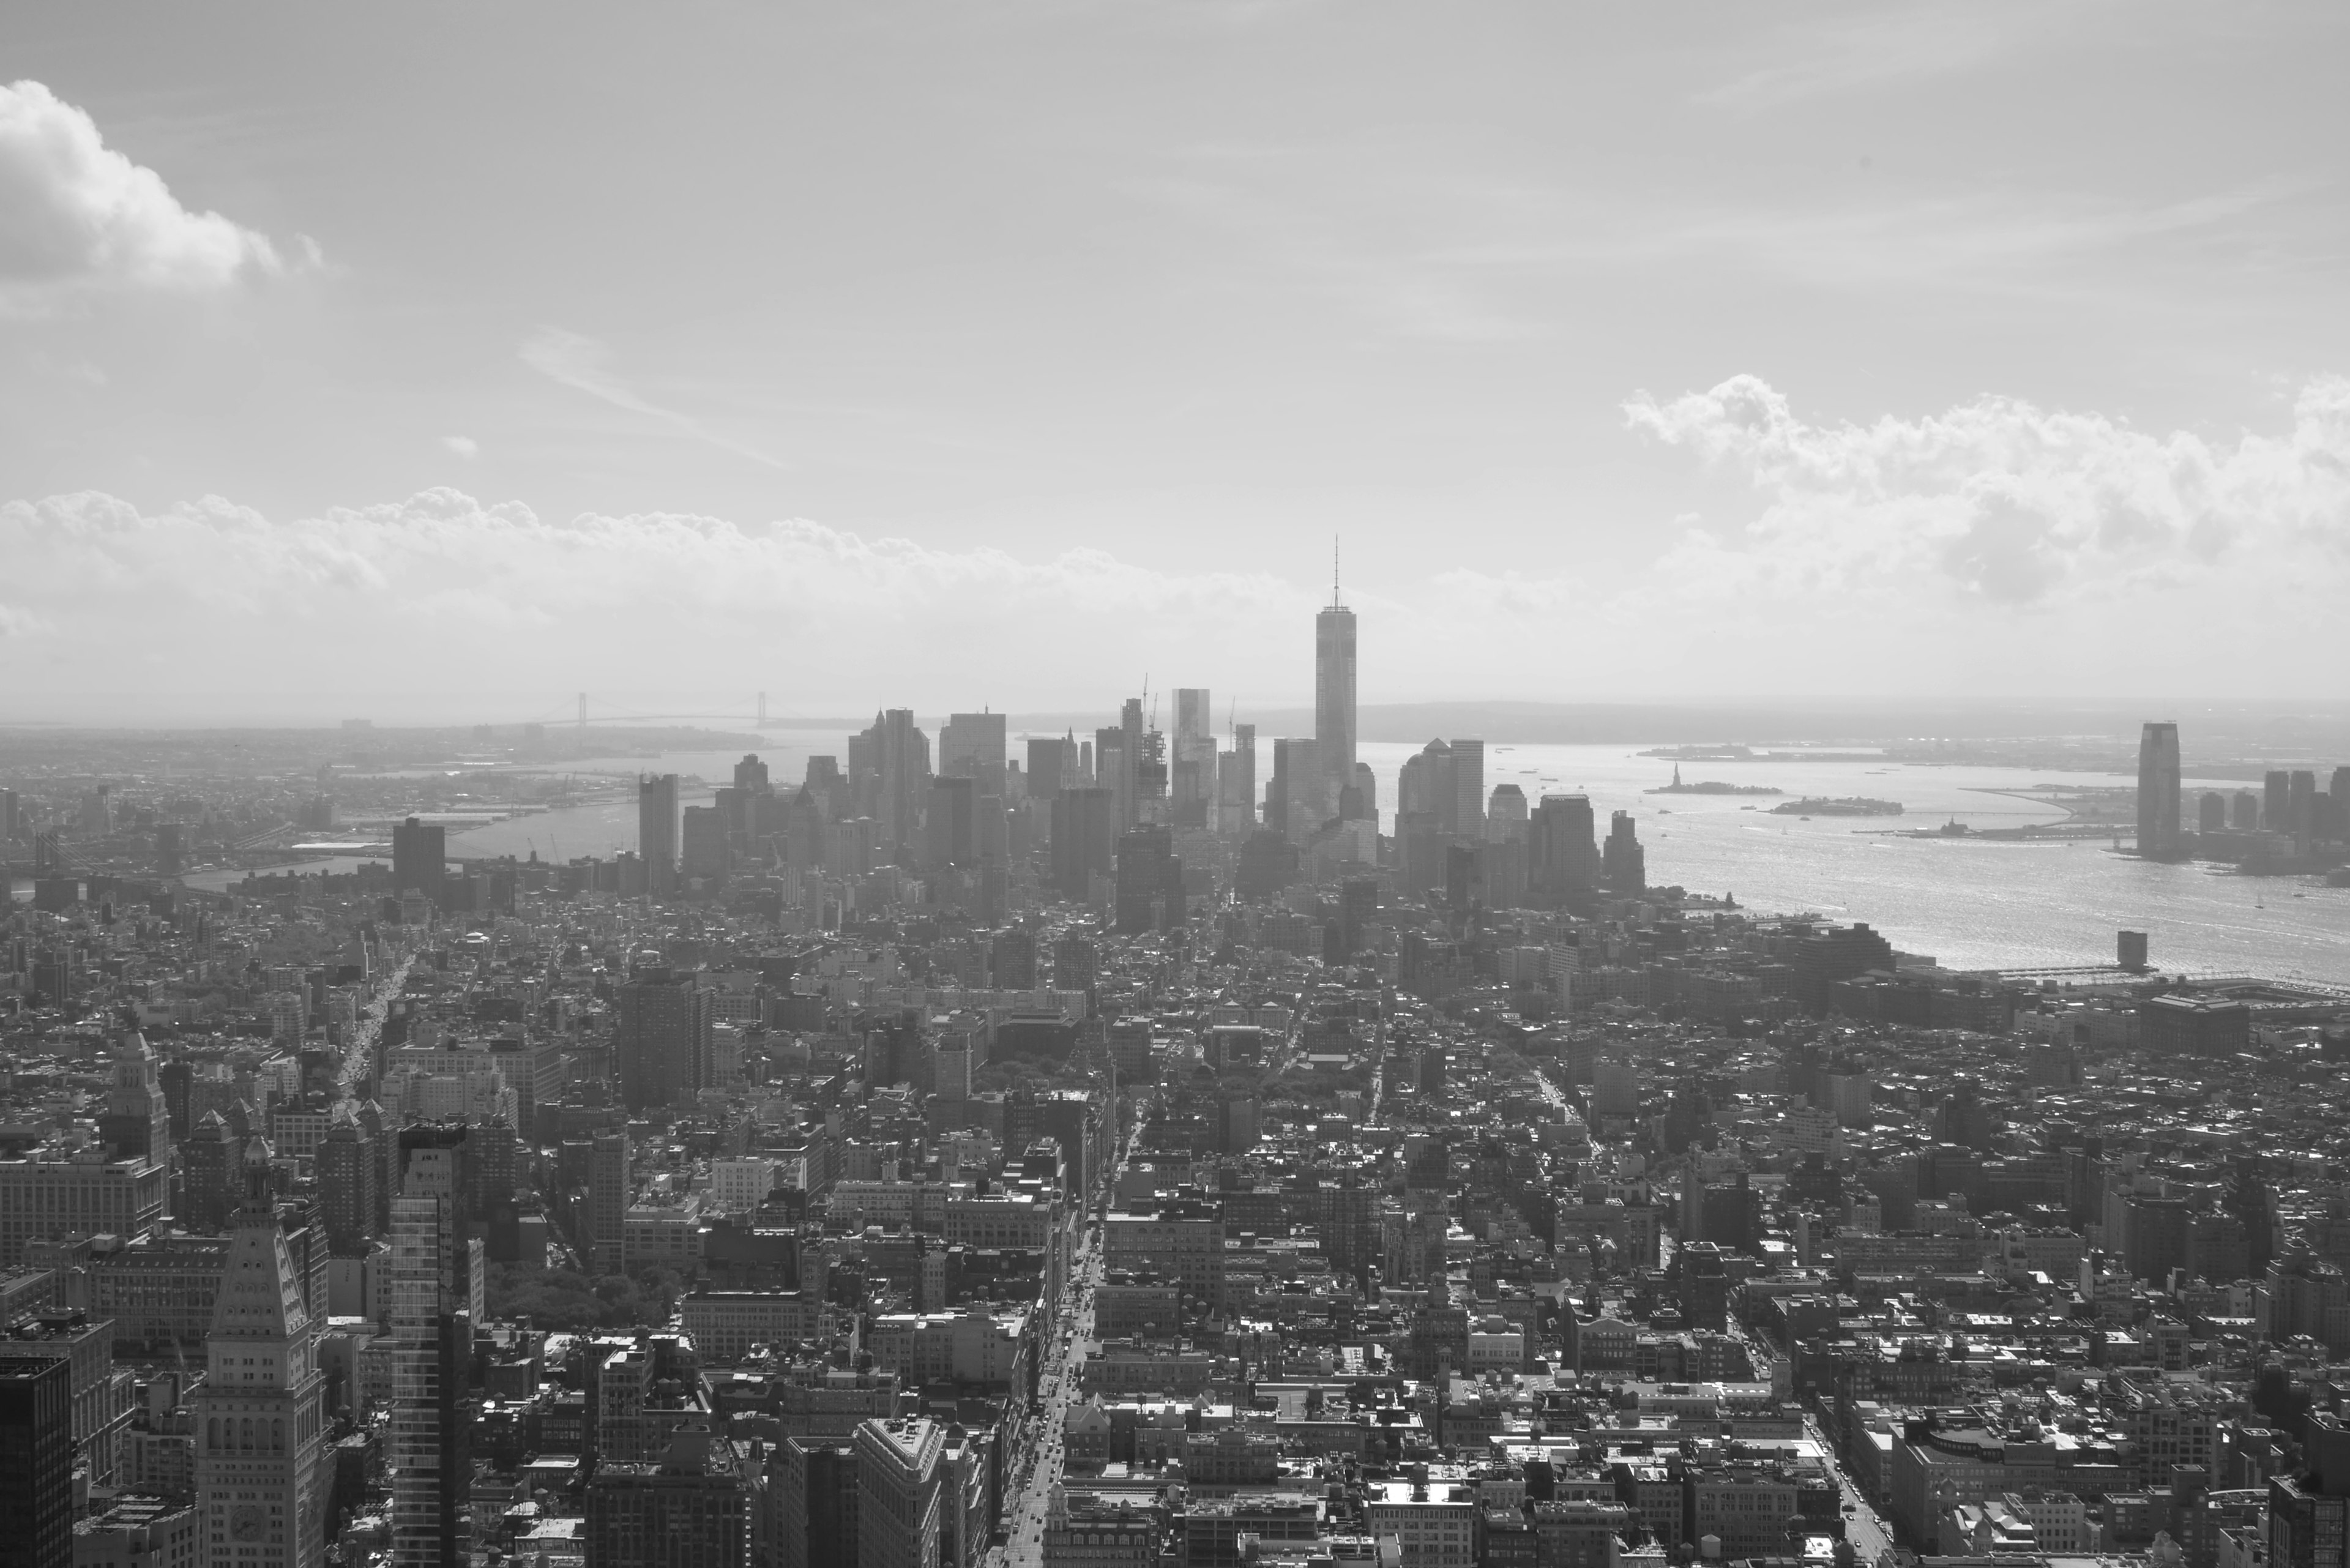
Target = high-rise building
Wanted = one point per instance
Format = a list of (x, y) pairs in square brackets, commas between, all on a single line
[(971, 746), (1562, 852), (2158, 791), (136, 1123), (256, 1415), (2276, 797), (950, 829), (420, 856), (1622, 861), (37, 1462), (1469, 788), (1236, 783), (349, 1165), (2300, 807), (1084, 831), (1149, 880), (1334, 691), (656, 1036), (609, 1191), (1299, 800), (1192, 800), (658, 832), (898, 1502), (816, 1496), (431, 1345), (1050, 763), (892, 763), (690, 1509)]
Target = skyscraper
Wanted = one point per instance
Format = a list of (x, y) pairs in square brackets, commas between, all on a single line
[(1625, 863), (1084, 830), (2158, 791), (1469, 788), (1562, 851), (37, 1462), (971, 746), (419, 854), (1333, 692), (610, 1191), (656, 1036), (257, 1412), (657, 832), (902, 770), (136, 1123), (431, 1337), (898, 1523), (1236, 783)]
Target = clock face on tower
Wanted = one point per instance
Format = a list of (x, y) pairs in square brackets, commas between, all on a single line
[(245, 1521)]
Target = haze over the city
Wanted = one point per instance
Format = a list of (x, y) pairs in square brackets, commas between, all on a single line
[(1009, 354)]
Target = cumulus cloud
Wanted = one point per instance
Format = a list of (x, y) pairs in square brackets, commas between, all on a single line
[(2000, 538), (584, 364), (442, 589), (464, 446), (2015, 505), (75, 213)]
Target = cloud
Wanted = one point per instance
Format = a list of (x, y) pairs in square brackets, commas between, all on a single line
[(581, 363), (75, 213), (623, 601), (1879, 49), (2059, 534), (464, 446)]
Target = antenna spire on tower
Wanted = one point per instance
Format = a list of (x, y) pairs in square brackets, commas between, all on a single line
[(1334, 601)]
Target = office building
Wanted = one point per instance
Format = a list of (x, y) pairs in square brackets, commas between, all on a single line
[(688, 1509), (257, 1413), (1333, 694), (971, 746), (136, 1123), (1623, 863), (426, 1449), (658, 830), (1562, 850), (1236, 783), (890, 770), (419, 854), (815, 1483), (1099, 1530), (37, 1462), (2158, 791), (1469, 789), (950, 830), (1051, 762), (1083, 832), (658, 1026), (1296, 801), (898, 1493), (43, 1198), (609, 1193), (1150, 881)]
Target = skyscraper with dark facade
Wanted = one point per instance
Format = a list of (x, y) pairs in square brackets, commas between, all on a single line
[(655, 1036), (37, 1462), (1084, 830), (2158, 791), (657, 832), (1622, 860), (1562, 848), (419, 857)]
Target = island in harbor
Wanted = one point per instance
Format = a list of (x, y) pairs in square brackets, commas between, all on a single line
[(1845, 805), (1711, 786)]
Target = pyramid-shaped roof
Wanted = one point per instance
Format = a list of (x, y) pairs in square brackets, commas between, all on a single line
[(260, 1294)]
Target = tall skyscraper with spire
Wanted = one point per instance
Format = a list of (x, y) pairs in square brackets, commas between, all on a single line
[(257, 1413), (1334, 690)]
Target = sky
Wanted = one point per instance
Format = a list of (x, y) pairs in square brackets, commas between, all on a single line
[(446, 361)]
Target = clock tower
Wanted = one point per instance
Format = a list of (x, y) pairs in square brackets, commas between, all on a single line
[(257, 1422)]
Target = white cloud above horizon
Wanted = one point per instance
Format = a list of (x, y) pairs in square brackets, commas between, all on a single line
[(1995, 546), (76, 213)]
